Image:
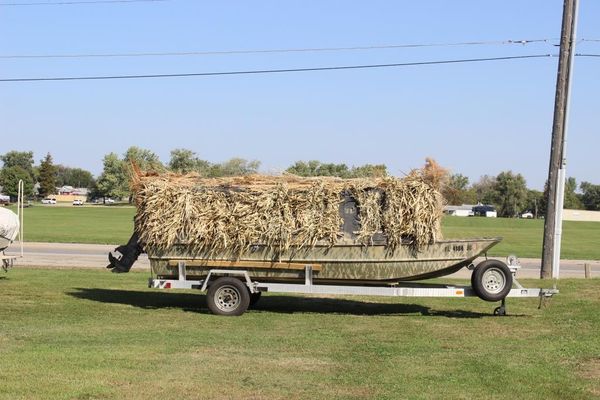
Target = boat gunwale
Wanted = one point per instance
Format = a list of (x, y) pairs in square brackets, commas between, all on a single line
[(361, 260)]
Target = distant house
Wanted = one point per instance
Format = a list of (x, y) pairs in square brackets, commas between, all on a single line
[(470, 210), (69, 193), (466, 210)]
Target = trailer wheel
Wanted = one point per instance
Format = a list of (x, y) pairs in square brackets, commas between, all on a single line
[(228, 296), (492, 280), (254, 298)]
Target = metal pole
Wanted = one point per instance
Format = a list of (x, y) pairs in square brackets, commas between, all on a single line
[(558, 161), (20, 208)]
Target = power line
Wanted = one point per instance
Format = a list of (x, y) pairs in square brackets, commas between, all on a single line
[(275, 71), (267, 51), (587, 55), (64, 3)]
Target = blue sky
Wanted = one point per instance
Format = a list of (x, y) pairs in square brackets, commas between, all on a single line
[(479, 118)]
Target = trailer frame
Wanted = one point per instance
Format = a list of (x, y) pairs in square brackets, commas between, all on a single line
[(402, 289)]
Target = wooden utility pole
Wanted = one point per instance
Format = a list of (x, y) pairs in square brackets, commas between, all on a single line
[(556, 171)]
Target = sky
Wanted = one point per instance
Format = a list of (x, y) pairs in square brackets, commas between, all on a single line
[(474, 118)]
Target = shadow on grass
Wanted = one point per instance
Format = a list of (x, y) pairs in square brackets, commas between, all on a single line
[(272, 303)]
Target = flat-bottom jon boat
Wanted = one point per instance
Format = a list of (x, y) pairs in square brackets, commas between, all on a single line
[(344, 261)]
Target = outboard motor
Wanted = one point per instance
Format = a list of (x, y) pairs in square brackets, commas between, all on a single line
[(123, 257)]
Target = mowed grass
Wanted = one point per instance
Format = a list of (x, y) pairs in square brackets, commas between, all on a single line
[(524, 237), (114, 225), (70, 224), (89, 334)]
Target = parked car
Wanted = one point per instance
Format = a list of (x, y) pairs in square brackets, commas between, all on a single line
[(109, 201), (48, 200), (527, 214), (485, 211), (77, 202)]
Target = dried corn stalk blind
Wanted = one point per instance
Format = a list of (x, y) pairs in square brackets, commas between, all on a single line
[(232, 214)]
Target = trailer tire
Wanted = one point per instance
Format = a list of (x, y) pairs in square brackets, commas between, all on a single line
[(491, 280), (254, 298), (228, 296)]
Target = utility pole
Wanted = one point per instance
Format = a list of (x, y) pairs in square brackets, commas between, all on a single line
[(558, 161)]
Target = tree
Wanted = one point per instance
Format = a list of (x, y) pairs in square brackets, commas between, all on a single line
[(22, 159), (534, 202), (234, 167), (591, 196), (9, 180), (143, 158), (484, 190), (76, 177), (47, 176), (302, 168), (317, 168), (184, 161), (510, 194), (455, 190), (369, 171), (572, 201), (113, 181)]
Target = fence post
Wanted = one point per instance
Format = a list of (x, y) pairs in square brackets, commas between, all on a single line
[(588, 270)]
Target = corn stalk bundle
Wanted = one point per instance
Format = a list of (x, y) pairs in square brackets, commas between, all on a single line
[(229, 215)]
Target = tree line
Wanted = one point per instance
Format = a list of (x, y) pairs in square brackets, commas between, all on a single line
[(507, 191)]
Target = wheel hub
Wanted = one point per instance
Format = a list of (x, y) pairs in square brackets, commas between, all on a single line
[(494, 280), (227, 298)]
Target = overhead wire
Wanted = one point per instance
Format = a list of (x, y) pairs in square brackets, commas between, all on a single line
[(268, 51), (74, 2), (277, 71)]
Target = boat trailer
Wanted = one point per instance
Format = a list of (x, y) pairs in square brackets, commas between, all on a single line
[(231, 291)]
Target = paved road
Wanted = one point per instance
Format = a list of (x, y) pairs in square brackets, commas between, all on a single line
[(63, 255)]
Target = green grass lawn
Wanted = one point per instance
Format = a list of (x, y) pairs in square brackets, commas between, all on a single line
[(89, 334), (113, 225), (94, 224), (524, 236)]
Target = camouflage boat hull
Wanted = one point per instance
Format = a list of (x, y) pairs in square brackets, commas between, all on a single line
[(341, 262)]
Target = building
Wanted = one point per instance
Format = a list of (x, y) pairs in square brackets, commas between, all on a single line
[(67, 194), (471, 210), (466, 210), (581, 215)]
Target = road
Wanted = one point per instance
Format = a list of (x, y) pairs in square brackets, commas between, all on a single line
[(69, 255)]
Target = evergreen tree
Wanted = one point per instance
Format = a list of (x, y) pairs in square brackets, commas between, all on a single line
[(47, 177)]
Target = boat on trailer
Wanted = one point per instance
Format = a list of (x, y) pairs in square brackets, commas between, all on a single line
[(346, 261), (235, 283)]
